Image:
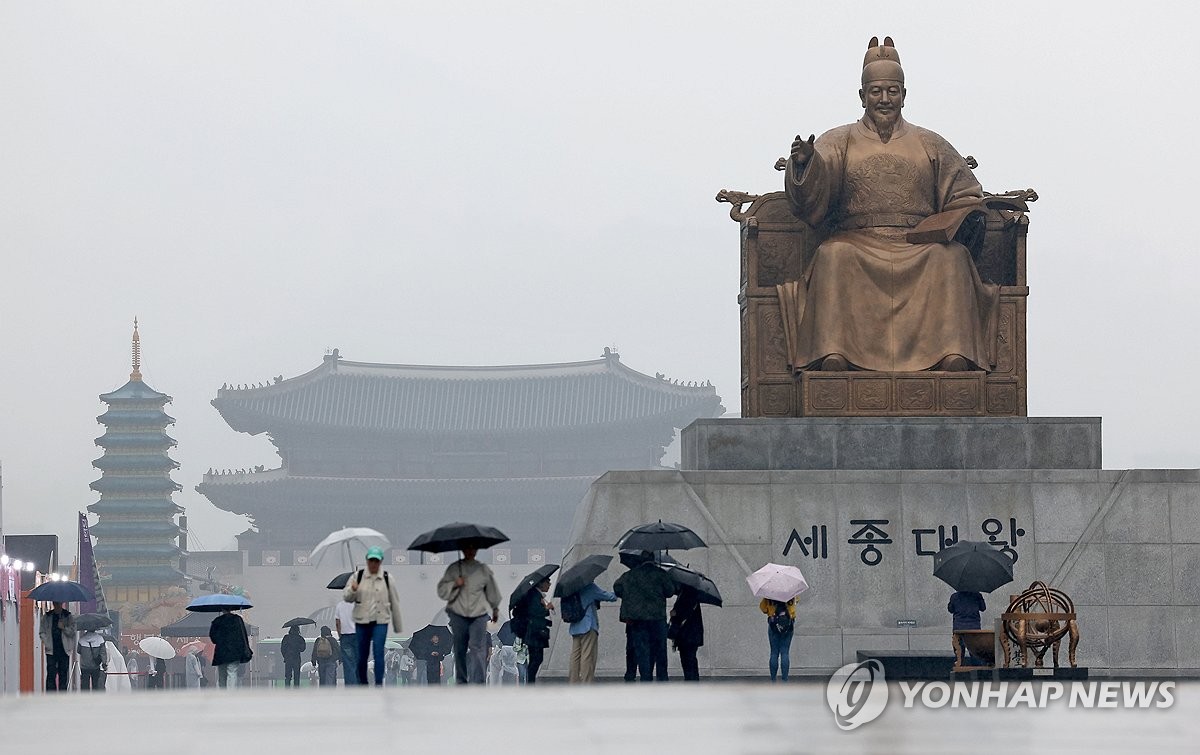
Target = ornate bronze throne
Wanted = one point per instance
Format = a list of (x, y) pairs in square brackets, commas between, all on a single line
[(776, 247)]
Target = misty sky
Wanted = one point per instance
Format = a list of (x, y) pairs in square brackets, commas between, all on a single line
[(485, 183)]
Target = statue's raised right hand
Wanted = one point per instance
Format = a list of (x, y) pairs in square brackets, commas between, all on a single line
[(802, 149)]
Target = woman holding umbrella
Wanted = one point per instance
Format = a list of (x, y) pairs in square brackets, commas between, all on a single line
[(376, 605), (778, 585)]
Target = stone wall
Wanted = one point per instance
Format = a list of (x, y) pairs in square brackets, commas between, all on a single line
[(1125, 545)]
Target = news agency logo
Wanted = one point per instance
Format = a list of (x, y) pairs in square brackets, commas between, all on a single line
[(857, 693)]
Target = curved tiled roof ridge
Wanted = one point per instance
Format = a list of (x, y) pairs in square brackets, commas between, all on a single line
[(395, 397)]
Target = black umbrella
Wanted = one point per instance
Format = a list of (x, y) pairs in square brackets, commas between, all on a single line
[(631, 557), (660, 536), (339, 582), (973, 566), (581, 575), (506, 634), (456, 537), (192, 625), (299, 621), (532, 580), (704, 587), (422, 645), (62, 591), (88, 622)]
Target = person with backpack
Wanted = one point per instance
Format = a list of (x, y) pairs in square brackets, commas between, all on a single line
[(291, 649), (686, 631), (579, 609), (781, 626), (93, 662), (531, 621), (325, 652), (376, 605)]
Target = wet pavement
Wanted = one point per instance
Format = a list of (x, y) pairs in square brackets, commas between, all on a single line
[(554, 718)]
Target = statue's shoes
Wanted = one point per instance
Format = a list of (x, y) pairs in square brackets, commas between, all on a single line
[(954, 363), (835, 363)]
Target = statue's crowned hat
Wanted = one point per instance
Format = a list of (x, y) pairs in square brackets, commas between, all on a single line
[(882, 62)]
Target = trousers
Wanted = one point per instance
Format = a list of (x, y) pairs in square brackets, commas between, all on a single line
[(470, 648), (583, 657), (371, 637)]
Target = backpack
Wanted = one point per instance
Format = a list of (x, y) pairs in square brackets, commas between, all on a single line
[(323, 648), (572, 608), (92, 657), (781, 620)]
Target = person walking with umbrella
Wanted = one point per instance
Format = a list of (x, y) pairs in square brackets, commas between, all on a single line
[(57, 632), (469, 589), (376, 605), (430, 646), (291, 648), (93, 661), (231, 646), (193, 666)]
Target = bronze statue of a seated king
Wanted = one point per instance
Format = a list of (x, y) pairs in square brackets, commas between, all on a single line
[(890, 288)]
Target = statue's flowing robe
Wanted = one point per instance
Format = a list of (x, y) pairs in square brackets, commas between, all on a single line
[(879, 301)]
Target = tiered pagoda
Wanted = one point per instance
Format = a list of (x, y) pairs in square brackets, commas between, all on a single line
[(137, 547), (404, 448)]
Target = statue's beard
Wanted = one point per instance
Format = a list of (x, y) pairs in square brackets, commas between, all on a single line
[(885, 123)]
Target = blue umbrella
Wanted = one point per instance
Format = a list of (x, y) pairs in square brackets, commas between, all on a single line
[(61, 592), (218, 602)]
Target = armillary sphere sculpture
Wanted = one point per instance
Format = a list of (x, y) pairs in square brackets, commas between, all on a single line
[(1037, 620)]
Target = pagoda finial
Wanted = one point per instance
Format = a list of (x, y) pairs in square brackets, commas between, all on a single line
[(137, 353)]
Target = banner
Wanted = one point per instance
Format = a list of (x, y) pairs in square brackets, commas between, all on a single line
[(89, 575)]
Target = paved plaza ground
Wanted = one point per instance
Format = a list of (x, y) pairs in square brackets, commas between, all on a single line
[(674, 718)]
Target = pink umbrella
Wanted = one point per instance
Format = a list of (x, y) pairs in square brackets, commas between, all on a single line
[(777, 582)]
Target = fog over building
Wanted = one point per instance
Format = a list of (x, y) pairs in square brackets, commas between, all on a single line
[(404, 448)]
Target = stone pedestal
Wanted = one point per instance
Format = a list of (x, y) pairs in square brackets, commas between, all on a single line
[(1125, 545), (893, 443)]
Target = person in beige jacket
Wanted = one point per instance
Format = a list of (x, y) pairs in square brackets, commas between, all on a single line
[(376, 605), (469, 589)]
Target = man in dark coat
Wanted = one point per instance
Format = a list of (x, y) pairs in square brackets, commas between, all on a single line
[(58, 642), (231, 646), (431, 652), (687, 631), (643, 591), (966, 606), (535, 611), (291, 649)]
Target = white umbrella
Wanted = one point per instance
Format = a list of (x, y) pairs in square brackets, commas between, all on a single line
[(157, 647), (777, 582), (364, 536)]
